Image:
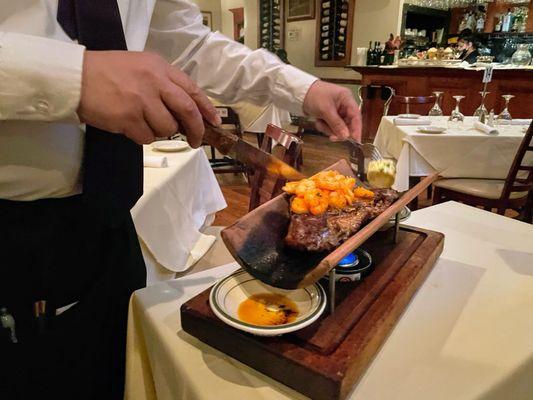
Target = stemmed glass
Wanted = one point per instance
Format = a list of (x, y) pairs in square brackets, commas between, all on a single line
[(481, 112), (456, 118), (505, 116), (436, 111)]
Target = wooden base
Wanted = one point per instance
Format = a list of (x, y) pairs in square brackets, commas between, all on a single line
[(325, 360)]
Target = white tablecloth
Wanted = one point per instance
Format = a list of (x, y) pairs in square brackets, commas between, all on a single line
[(176, 203), (464, 153), (467, 333)]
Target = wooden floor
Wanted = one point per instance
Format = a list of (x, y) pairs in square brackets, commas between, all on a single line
[(318, 153)]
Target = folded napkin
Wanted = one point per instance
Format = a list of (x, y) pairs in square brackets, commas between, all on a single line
[(480, 126), (155, 161), (412, 121), (522, 121)]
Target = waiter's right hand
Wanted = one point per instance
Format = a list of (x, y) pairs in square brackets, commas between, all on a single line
[(142, 96)]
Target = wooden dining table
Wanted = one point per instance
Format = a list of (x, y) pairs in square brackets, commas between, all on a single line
[(466, 335)]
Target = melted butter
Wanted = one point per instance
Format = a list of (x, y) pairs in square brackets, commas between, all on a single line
[(381, 173), (267, 309)]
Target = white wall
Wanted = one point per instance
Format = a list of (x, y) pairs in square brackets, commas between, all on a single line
[(214, 7), (250, 19)]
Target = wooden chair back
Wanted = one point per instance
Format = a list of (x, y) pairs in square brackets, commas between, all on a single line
[(230, 122), (408, 101), (374, 101), (230, 117), (266, 185), (523, 182)]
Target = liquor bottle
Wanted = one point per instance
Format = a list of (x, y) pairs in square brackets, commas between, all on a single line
[(369, 54), (498, 26), (480, 22), (507, 21)]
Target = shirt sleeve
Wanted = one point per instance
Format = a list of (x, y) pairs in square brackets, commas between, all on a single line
[(40, 78), (226, 70)]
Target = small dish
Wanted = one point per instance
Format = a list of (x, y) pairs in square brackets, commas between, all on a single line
[(409, 116), (228, 293), (169, 146), (431, 129)]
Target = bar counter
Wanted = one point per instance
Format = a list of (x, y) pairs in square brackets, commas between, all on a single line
[(421, 81)]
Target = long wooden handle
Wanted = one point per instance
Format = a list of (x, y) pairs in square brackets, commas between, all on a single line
[(360, 237)]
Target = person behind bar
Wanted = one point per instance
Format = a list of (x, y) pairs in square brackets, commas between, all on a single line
[(466, 44), (83, 84)]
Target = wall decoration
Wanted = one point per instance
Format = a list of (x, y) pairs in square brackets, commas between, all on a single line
[(299, 10), (207, 19), (271, 25), (334, 31)]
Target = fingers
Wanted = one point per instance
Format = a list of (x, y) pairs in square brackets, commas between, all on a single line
[(140, 132), (185, 110), (159, 119), (205, 107), (352, 117), (324, 128), (335, 123)]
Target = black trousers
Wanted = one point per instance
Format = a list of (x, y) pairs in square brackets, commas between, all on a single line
[(58, 251)]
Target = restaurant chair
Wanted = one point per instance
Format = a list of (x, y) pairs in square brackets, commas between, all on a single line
[(225, 164), (408, 101), (515, 192), (265, 186), (368, 93)]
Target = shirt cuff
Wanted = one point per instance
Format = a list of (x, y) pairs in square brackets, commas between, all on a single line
[(290, 89), (41, 78)]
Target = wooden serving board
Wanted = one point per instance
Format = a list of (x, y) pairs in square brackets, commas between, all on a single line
[(325, 360), (256, 240)]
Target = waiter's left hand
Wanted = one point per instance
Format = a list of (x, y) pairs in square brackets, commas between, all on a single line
[(335, 109)]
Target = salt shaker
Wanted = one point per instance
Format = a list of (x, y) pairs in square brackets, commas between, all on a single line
[(490, 119)]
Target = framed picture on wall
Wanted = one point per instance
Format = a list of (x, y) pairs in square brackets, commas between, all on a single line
[(207, 19), (299, 10)]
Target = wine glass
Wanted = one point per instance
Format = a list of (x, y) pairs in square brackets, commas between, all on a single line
[(505, 116), (481, 112), (436, 111), (457, 118)]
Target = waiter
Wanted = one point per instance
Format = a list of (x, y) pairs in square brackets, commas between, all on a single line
[(83, 83)]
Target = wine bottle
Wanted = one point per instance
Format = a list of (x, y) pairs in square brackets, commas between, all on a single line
[(369, 54)]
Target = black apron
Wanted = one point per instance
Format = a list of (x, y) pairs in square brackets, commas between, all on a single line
[(82, 249)]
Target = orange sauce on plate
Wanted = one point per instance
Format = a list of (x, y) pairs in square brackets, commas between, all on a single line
[(267, 309)]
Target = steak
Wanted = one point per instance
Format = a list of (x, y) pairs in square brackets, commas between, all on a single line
[(325, 232)]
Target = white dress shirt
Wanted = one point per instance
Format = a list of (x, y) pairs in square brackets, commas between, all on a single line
[(41, 141)]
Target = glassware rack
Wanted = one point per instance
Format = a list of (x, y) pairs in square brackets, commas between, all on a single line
[(334, 33), (271, 27)]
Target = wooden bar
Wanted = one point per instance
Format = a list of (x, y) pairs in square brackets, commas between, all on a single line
[(421, 81)]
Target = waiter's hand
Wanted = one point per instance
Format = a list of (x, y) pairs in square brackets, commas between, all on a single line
[(335, 109), (142, 96)]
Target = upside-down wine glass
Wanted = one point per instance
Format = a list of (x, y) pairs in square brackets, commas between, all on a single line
[(481, 112), (436, 111), (505, 116), (457, 118)]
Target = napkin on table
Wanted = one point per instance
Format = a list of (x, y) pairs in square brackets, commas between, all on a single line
[(411, 121), (155, 161), (480, 126), (521, 121)]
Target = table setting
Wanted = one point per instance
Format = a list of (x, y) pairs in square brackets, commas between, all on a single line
[(454, 146)]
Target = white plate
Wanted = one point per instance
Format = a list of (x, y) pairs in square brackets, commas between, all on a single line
[(230, 292), (409, 116), (431, 129), (170, 145)]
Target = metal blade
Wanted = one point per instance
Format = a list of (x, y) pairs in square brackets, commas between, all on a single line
[(230, 144), (254, 157)]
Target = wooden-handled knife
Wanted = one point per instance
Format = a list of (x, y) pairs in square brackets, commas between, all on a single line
[(229, 144)]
